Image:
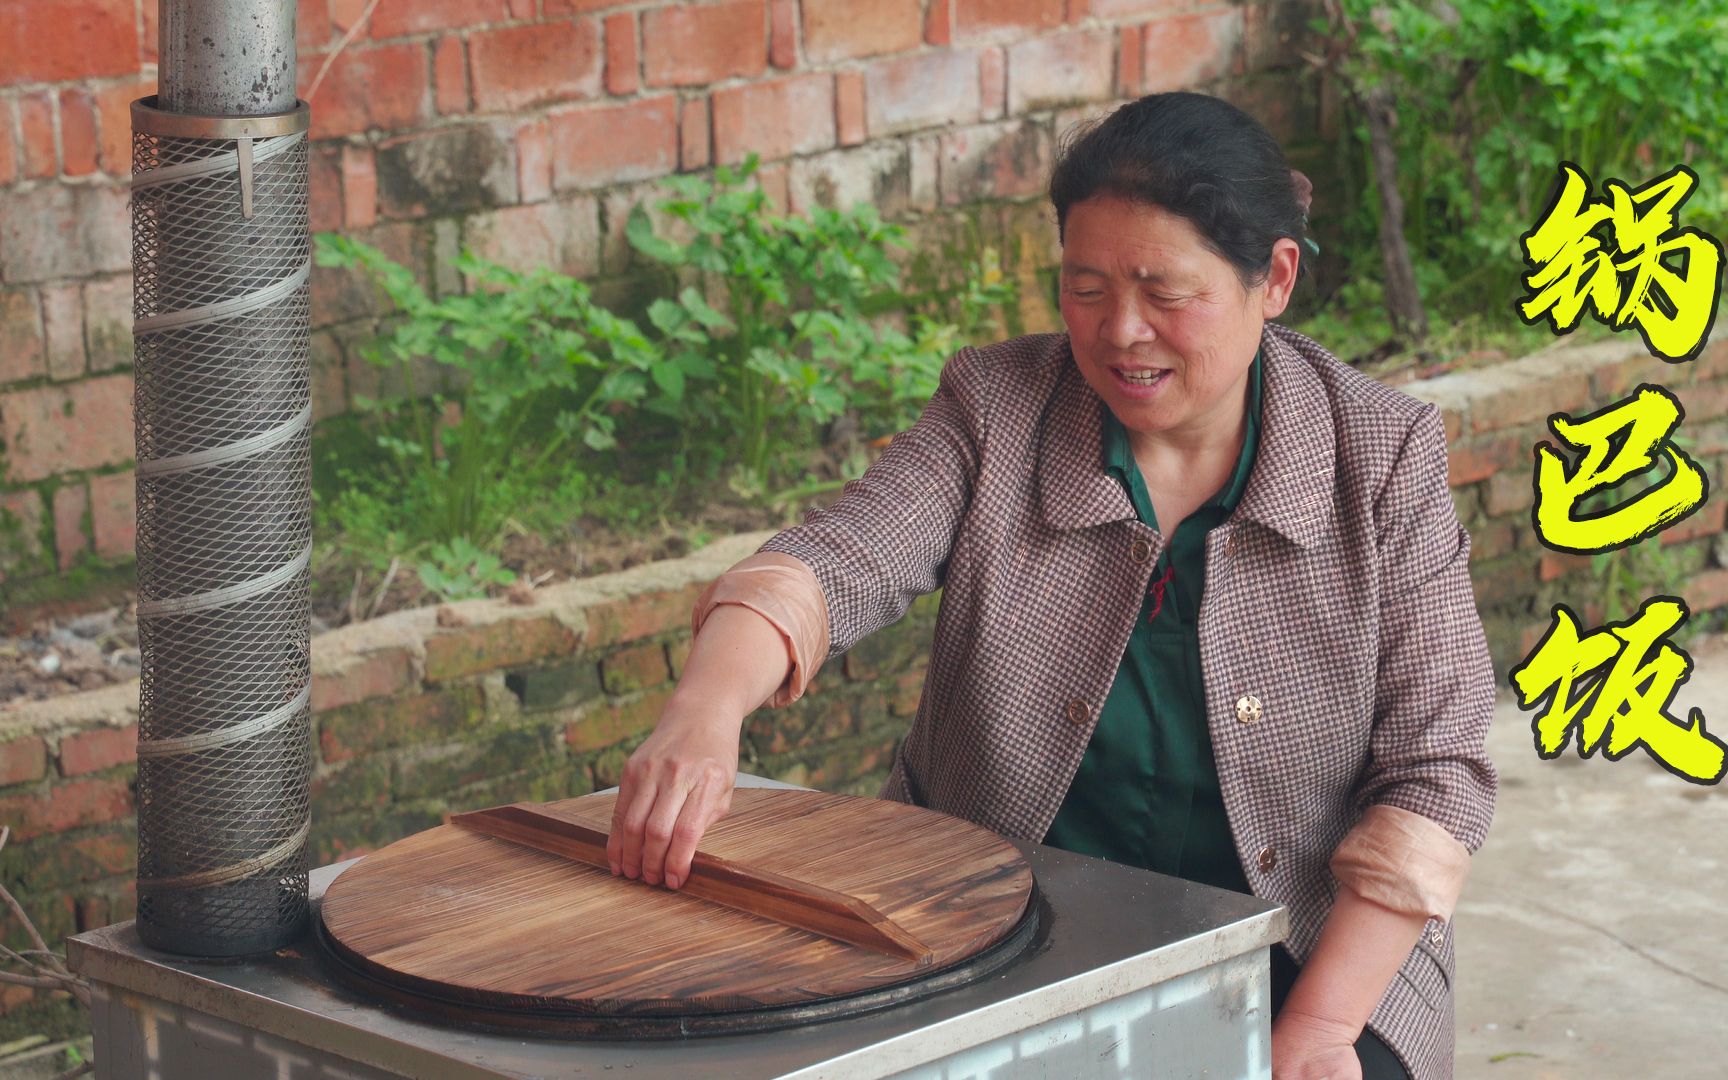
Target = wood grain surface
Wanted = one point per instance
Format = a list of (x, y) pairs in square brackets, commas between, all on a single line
[(463, 916)]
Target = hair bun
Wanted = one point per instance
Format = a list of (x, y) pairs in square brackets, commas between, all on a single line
[(1304, 189)]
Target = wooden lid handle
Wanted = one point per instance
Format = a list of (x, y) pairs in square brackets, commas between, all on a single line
[(743, 888)]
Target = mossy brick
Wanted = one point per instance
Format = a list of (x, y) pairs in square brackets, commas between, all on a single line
[(1706, 591), (361, 677), (434, 772), (1553, 565), (605, 724), (1508, 576), (838, 764), (607, 768), (344, 836), (1480, 456), (889, 650), (557, 686), (58, 863), (1704, 400), (906, 692), (636, 667), (434, 716), (504, 642), (1492, 539), (568, 781), (1705, 521), (55, 916), (805, 724), (66, 806), (23, 760), (24, 1012), (363, 783), (632, 618), (1510, 491), (98, 749), (677, 655)]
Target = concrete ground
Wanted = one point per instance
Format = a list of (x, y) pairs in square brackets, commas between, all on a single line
[(1593, 933)]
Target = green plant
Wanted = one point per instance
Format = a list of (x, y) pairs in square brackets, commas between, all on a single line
[(778, 312), (489, 388), (460, 571), (1493, 94)]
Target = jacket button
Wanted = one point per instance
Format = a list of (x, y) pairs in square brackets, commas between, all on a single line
[(1248, 709), (1436, 934), (1078, 712), (1267, 858), (1140, 551)]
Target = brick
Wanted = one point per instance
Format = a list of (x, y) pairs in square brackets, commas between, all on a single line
[(71, 503), (102, 748), (975, 18), (1009, 160), (60, 863), (878, 173), (1118, 9), (359, 187), (1494, 580), (557, 686), (20, 530), (329, 390), (77, 132), (344, 14), (939, 23), (353, 785), (1703, 400), (348, 836), (437, 716), (355, 677), (555, 8), (54, 429), (925, 153), (1707, 590), (534, 161), (8, 146), (444, 171), (108, 322), (23, 760), (1492, 539), (450, 75), (775, 181), (66, 806), (341, 295), (847, 29), (62, 40), (433, 771), (1182, 51), (516, 67), (783, 34), (677, 655), (606, 725), (503, 641), (396, 18), (637, 667), (114, 123), (992, 83), (695, 135), (384, 87), (23, 353), (1553, 565), (63, 328), (849, 127), (923, 90), (695, 46), (1130, 62), (1480, 456), (1060, 69), (563, 235), (114, 514), (622, 76), (907, 693), (608, 144), (1271, 35), (615, 622), (324, 182), (36, 124), (1525, 404), (1509, 492), (1705, 521), (809, 723)]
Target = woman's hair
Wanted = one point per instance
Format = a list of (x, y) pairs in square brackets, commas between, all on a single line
[(1195, 156)]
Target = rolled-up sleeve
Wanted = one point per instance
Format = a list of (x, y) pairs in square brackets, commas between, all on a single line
[(1427, 795), (887, 539), (784, 591)]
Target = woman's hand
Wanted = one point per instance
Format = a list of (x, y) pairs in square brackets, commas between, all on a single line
[(676, 784), (1309, 1048)]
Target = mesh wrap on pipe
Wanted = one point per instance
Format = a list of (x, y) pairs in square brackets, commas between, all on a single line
[(223, 413)]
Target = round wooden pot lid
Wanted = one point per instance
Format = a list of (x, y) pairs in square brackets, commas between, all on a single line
[(468, 919)]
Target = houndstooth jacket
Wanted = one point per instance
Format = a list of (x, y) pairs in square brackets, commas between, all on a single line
[(1344, 660)]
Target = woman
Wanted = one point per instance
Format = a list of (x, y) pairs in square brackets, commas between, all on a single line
[(1205, 609)]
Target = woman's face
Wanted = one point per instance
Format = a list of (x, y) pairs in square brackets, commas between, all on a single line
[(1161, 327)]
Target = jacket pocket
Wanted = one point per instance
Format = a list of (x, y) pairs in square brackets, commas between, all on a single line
[(1425, 970)]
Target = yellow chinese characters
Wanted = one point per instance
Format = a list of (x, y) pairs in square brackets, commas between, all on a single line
[(1648, 417), (1658, 277), (1597, 684)]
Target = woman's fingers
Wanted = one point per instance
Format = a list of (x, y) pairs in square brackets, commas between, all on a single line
[(637, 795), (708, 802)]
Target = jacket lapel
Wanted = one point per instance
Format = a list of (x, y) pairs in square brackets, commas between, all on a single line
[(1074, 491)]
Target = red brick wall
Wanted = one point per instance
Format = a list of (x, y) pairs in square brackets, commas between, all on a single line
[(526, 129)]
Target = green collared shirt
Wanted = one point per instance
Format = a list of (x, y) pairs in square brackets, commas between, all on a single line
[(1146, 793)]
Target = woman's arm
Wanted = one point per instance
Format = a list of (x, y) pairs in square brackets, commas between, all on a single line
[(1361, 948)]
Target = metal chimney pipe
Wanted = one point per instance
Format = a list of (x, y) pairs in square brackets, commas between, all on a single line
[(221, 260)]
